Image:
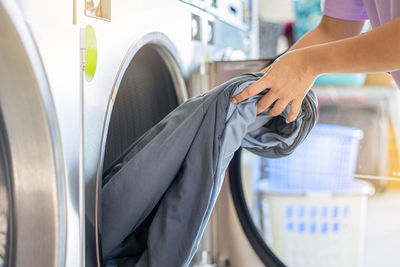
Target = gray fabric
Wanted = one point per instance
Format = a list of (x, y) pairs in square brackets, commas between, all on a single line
[(156, 202)]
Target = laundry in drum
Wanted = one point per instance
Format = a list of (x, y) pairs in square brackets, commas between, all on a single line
[(157, 199)]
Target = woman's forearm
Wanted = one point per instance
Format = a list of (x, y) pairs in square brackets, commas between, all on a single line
[(375, 51), (328, 30), (313, 37)]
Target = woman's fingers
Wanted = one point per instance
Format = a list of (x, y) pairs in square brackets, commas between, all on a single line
[(279, 107), (294, 110), (266, 101), (250, 91)]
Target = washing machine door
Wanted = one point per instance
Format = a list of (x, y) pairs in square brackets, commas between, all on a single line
[(31, 170)]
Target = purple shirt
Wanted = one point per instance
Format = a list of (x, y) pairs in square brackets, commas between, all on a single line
[(377, 11)]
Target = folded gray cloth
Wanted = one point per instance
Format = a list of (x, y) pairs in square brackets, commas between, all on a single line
[(157, 201)]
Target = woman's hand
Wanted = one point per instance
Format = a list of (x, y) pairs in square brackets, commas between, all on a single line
[(289, 79)]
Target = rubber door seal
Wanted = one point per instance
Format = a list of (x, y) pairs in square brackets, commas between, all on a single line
[(257, 242)]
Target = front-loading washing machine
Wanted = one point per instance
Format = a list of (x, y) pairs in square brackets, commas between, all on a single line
[(101, 74), (145, 54)]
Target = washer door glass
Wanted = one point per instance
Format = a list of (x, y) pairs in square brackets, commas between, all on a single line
[(334, 201)]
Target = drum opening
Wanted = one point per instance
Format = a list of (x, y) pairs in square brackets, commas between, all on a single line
[(146, 94)]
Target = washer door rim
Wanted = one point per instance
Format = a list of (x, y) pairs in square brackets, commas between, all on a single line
[(35, 157)]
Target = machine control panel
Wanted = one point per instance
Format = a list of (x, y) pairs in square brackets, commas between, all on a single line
[(234, 12), (196, 27)]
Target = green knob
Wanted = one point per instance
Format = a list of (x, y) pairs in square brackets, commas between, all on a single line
[(90, 53)]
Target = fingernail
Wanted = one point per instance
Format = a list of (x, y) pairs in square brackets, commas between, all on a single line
[(234, 101)]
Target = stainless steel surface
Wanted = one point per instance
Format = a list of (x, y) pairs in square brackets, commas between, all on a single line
[(34, 147), (51, 24)]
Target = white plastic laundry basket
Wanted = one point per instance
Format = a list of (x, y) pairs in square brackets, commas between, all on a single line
[(326, 160), (317, 229)]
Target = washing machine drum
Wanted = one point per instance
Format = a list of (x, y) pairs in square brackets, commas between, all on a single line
[(146, 94)]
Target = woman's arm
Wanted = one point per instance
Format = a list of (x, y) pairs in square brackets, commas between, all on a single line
[(375, 51), (329, 29), (292, 75)]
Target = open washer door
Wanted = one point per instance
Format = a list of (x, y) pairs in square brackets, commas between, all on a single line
[(32, 213)]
